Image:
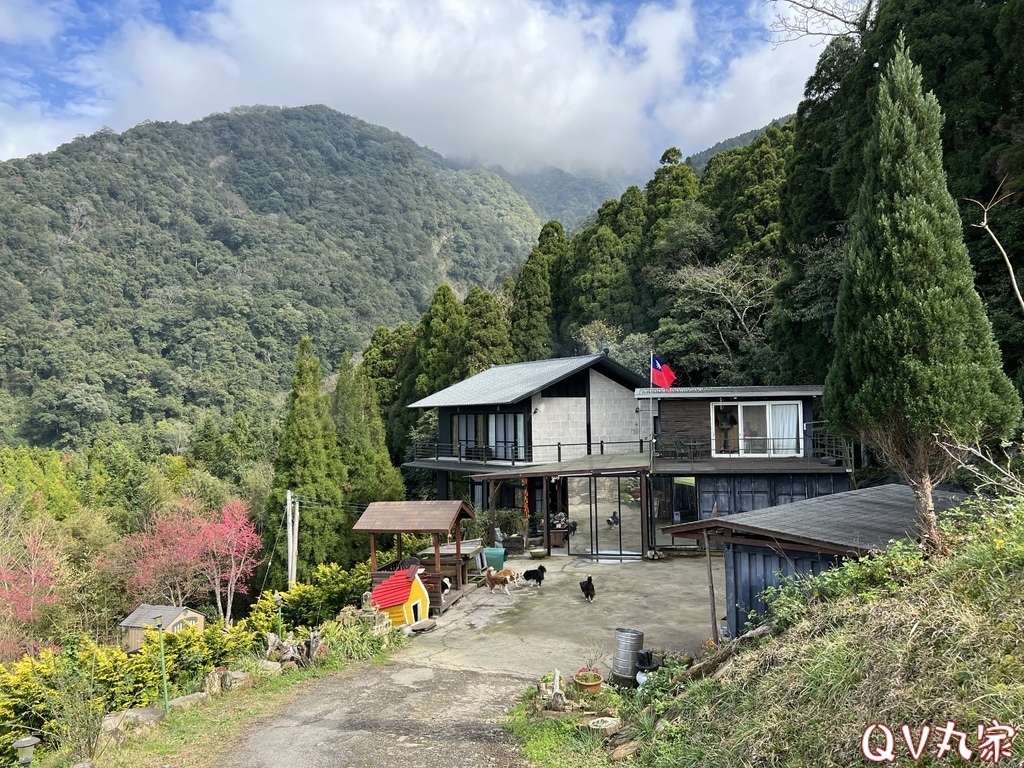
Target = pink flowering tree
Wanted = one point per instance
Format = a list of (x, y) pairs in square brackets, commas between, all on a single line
[(230, 553), (29, 570), (164, 562)]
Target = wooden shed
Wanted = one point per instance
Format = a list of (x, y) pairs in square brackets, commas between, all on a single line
[(436, 518), (173, 618)]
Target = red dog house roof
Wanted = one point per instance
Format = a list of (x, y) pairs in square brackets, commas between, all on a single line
[(394, 590)]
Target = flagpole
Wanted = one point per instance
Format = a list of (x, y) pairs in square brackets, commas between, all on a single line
[(650, 406)]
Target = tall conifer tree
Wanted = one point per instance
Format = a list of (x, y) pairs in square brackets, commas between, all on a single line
[(915, 358), (308, 464), (371, 475), (487, 337)]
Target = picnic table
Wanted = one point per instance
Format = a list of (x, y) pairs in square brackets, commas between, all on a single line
[(472, 552)]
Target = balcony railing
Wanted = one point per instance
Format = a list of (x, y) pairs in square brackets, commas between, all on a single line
[(822, 448), (511, 454)]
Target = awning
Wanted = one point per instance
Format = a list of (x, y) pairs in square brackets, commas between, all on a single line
[(585, 466)]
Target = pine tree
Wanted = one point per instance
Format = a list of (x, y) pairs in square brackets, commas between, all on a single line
[(533, 333), (309, 464), (487, 338), (915, 357), (442, 343), (372, 476)]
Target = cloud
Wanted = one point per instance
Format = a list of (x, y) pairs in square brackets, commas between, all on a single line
[(23, 21), (523, 83)]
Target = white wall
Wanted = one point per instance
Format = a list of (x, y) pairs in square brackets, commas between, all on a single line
[(613, 416)]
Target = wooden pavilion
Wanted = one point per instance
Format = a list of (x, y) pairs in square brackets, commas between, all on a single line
[(419, 517)]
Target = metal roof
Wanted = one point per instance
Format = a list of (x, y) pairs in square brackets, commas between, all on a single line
[(145, 615), (507, 384), (840, 523), (412, 516), (711, 393)]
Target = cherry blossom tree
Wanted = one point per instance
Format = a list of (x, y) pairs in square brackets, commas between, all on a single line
[(164, 561), (230, 548), (29, 568)]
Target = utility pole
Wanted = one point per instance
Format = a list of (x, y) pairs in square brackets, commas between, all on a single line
[(293, 573), (291, 524)]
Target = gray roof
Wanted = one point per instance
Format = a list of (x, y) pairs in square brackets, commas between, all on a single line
[(850, 522), (145, 615), (708, 393), (507, 384)]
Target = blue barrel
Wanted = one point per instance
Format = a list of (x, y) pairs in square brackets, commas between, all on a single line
[(494, 557)]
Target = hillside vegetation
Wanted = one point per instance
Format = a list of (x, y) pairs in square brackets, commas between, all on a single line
[(175, 267)]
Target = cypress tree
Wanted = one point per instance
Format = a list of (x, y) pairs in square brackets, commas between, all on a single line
[(487, 337), (372, 476), (308, 463), (533, 333), (915, 357)]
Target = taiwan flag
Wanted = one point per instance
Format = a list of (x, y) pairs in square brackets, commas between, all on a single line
[(661, 374)]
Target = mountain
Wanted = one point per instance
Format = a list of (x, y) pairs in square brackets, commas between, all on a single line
[(564, 197), (173, 268), (699, 161)]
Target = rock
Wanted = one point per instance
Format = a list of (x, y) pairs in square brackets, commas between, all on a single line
[(237, 681), (83, 764), (607, 726), (212, 683), (187, 702), (268, 668), (289, 666), (140, 719), (626, 750)]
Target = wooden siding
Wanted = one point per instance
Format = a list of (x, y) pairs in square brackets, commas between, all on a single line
[(685, 418), (751, 570)]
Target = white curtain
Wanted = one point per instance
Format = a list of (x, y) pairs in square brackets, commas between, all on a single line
[(785, 429)]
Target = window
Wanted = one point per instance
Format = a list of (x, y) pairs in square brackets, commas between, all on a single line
[(478, 436), (756, 429)]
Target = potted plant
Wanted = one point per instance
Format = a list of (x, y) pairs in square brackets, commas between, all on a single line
[(588, 679)]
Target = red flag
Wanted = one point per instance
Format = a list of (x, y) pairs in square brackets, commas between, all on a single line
[(661, 374)]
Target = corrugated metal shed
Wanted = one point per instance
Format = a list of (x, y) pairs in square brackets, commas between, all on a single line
[(145, 615), (506, 384), (412, 516), (853, 522)]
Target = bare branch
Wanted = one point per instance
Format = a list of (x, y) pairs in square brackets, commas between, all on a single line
[(818, 18), (984, 225)]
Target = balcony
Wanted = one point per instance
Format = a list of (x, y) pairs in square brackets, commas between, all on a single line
[(513, 454), (752, 453)]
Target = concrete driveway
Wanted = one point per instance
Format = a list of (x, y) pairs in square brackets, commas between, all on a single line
[(440, 701), (533, 630)]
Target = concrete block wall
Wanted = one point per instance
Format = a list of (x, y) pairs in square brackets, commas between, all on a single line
[(613, 414), (559, 420)]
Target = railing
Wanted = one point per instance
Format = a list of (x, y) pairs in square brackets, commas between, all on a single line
[(823, 448), (511, 454)]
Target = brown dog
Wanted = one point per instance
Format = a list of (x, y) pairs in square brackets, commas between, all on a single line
[(497, 580)]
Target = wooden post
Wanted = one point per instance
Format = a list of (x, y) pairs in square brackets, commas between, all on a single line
[(645, 514), (398, 547), (711, 589), (545, 513), (458, 554), (373, 552)]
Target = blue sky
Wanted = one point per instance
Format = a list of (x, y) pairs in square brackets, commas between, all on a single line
[(524, 83)]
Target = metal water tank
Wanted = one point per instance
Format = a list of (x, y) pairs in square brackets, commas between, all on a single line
[(627, 643)]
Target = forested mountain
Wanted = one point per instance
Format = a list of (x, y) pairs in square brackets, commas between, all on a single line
[(557, 195), (699, 160), (173, 268)]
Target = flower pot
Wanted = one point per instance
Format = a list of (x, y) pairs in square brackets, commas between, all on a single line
[(591, 687)]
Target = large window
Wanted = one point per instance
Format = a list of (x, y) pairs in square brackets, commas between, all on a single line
[(756, 429), (479, 436)]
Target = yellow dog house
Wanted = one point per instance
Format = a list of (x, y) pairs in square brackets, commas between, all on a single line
[(402, 596)]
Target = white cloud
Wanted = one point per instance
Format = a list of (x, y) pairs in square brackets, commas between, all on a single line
[(515, 82), (24, 21)]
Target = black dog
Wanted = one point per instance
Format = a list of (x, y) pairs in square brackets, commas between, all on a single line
[(571, 529), (588, 589), (535, 574)]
